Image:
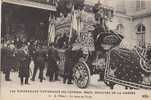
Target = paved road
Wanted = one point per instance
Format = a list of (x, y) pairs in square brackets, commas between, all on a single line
[(15, 83)]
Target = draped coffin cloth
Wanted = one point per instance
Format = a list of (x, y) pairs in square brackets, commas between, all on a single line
[(123, 67)]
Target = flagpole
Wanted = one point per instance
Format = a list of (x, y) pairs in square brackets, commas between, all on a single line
[(79, 22), (72, 12), (49, 29)]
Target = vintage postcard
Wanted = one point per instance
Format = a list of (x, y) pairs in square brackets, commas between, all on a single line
[(75, 49)]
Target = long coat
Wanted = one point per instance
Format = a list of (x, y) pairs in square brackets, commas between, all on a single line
[(71, 58), (40, 58), (24, 62), (7, 58), (53, 57)]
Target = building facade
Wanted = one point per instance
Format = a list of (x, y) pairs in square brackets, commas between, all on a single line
[(133, 20), (27, 19)]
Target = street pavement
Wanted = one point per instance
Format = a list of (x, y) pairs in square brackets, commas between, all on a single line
[(15, 83)]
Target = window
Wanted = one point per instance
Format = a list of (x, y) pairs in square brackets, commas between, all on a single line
[(140, 32), (140, 29), (120, 28), (120, 7), (140, 4)]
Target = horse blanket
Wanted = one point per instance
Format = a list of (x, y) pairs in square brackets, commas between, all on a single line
[(124, 67)]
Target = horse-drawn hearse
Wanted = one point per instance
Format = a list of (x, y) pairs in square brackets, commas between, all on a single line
[(115, 64), (130, 68)]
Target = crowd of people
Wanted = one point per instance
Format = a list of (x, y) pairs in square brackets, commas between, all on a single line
[(18, 54)]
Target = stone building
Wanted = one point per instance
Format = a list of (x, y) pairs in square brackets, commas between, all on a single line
[(27, 19), (132, 19)]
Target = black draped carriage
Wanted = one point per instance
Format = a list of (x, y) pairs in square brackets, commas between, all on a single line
[(130, 68)]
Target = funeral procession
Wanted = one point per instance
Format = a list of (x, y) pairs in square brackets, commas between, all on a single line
[(77, 44)]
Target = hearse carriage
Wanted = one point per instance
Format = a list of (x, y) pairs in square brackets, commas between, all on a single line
[(130, 68), (115, 65)]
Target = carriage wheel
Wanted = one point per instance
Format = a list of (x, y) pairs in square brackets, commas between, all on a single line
[(81, 74)]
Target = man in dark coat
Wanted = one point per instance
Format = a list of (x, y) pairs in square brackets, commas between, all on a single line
[(71, 58), (7, 56), (24, 69), (39, 61), (53, 58)]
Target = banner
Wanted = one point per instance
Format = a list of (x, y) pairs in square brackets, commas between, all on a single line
[(51, 33)]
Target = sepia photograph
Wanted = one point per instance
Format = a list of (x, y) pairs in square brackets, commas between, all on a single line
[(75, 49)]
